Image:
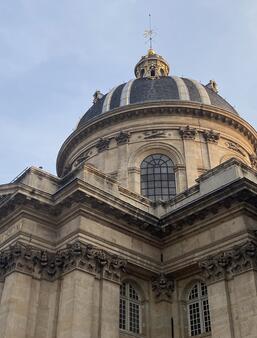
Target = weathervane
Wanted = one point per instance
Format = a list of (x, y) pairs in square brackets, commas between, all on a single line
[(149, 32)]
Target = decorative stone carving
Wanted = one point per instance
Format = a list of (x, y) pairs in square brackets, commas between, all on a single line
[(211, 136), (253, 159), (163, 287), (82, 157), (212, 85), (188, 133), (235, 147), (122, 138), (97, 96), (152, 134), (50, 265), (102, 144), (229, 263)]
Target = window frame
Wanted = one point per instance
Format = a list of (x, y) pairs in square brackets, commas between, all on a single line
[(199, 300), (157, 177), (128, 301)]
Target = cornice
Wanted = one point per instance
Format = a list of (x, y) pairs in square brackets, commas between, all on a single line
[(151, 109), (82, 195), (242, 190)]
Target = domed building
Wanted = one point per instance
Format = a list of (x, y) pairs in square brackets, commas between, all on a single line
[(149, 229)]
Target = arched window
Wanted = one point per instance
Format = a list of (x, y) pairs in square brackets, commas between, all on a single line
[(198, 310), (142, 72), (158, 177), (152, 71), (130, 309)]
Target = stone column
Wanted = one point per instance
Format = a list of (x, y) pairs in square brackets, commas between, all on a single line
[(47, 309), (211, 139), (220, 310), (244, 304), (15, 305), (76, 305), (232, 291), (188, 135), (109, 309), (122, 140)]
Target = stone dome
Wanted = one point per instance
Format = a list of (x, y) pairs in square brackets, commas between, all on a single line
[(157, 113), (156, 89)]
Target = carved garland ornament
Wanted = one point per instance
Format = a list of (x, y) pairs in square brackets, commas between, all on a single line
[(229, 263), (50, 265)]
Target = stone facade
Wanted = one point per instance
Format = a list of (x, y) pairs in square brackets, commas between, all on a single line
[(68, 243)]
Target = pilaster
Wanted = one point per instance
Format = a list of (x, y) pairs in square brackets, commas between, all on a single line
[(76, 305), (15, 305)]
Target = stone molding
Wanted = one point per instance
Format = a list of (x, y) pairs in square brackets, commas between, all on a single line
[(163, 287), (227, 264), (43, 264), (188, 133)]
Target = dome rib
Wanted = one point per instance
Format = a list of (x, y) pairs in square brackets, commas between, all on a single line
[(168, 88)]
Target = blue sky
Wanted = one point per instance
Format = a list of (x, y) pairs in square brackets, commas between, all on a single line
[(55, 54)]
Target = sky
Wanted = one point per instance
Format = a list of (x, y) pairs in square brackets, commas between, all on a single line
[(55, 54)]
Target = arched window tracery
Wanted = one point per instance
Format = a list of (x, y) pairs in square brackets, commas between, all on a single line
[(130, 309), (198, 310), (157, 177)]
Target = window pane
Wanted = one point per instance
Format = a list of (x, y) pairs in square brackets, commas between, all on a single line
[(194, 318), (122, 314), (133, 318), (206, 316)]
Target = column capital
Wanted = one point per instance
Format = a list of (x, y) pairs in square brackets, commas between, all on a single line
[(48, 265), (227, 264)]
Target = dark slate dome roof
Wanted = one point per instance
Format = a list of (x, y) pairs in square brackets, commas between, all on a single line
[(166, 88)]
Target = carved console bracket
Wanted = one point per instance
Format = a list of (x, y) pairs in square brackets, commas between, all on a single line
[(163, 287), (51, 265), (229, 263)]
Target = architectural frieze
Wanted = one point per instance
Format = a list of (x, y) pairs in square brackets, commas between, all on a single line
[(163, 287), (227, 264), (119, 115), (51, 265)]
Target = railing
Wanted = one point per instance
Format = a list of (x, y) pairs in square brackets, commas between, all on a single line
[(20, 174)]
